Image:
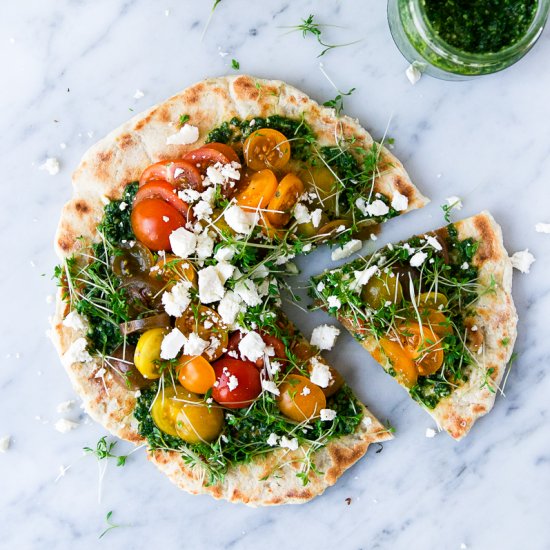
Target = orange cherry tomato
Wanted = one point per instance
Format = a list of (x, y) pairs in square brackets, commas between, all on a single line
[(179, 173), (284, 199), (210, 154), (260, 190), (437, 321), (424, 346), (195, 373), (266, 148), (335, 383), (159, 189), (153, 220), (300, 399), (400, 360)]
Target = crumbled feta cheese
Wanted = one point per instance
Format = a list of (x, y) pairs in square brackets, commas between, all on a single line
[(211, 288), (65, 406), (284, 258), (65, 425), (275, 367), (239, 220), (430, 432), (172, 343), (375, 208), (272, 440), (229, 307), (361, 278), (321, 286), (270, 386), (189, 195), (413, 74), (232, 382), (346, 250), (202, 210), (5, 443), (195, 345), (291, 444), (225, 253), (334, 301), (399, 202), (328, 414), (122, 206), (187, 134), (165, 219), (320, 373), (252, 346), (307, 248), (316, 217), (225, 270), (542, 227), (51, 166), (305, 391), (139, 94), (418, 259), (434, 243), (248, 292), (301, 213), (522, 260), (454, 202), (324, 336), (465, 265), (75, 321), (367, 421), (183, 242), (77, 352), (177, 299), (205, 245)]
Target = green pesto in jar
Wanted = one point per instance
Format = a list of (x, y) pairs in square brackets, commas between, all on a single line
[(480, 26)]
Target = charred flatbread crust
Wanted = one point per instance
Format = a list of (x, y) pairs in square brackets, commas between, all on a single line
[(496, 319), (120, 158)]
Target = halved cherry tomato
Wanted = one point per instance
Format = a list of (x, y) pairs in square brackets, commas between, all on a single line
[(238, 383), (153, 220), (207, 324), (436, 321), (158, 189), (333, 228), (286, 195), (171, 269), (433, 299), (335, 383), (303, 350), (425, 347), (147, 353), (130, 261), (179, 173), (260, 190), (400, 360), (300, 399), (210, 154), (324, 183), (382, 288), (266, 148), (197, 422), (195, 373)]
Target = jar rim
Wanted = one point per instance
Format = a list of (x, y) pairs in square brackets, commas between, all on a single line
[(461, 57)]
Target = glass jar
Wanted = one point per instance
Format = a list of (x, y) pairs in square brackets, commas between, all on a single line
[(420, 45)]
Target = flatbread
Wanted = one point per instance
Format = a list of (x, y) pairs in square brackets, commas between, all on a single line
[(120, 158), (495, 317)]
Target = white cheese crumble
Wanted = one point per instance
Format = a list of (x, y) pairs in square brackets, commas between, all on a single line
[(418, 259), (248, 292), (346, 250), (187, 134), (75, 321), (195, 345), (522, 260), (183, 242), (324, 336), (399, 202), (65, 425), (434, 243), (205, 245), (232, 382), (465, 265), (413, 74), (211, 288), (203, 210), (320, 373), (542, 227), (5, 443), (430, 432), (252, 346), (316, 217), (305, 391), (139, 94), (229, 307), (291, 444), (122, 206), (272, 440), (361, 278), (239, 220), (301, 213), (328, 414), (172, 344), (65, 406), (77, 353), (177, 300), (270, 386), (51, 166), (334, 301), (375, 208), (225, 253)]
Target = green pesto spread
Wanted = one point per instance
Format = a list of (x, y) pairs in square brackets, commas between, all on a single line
[(480, 26)]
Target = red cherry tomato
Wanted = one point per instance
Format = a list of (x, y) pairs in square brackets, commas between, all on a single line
[(158, 189), (210, 154), (180, 173), (153, 220), (242, 376), (276, 343)]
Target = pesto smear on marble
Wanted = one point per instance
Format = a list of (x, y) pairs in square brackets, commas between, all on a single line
[(480, 26)]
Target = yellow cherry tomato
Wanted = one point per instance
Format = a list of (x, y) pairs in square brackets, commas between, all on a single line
[(381, 289), (424, 346), (436, 320), (286, 196), (323, 182), (166, 407), (197, 422), (433, 299), (260, 190), (171, 270), (147, 354), (300, 399), (208, 325), (266, 148), (332, 229), (195, 373), (307, 229), (399, 358)]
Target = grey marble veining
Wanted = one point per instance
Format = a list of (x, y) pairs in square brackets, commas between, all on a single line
[(70, 69)]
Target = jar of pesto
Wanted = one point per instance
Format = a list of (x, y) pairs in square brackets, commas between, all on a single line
[(458, 39)]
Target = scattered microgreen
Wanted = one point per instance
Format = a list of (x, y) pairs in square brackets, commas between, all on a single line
[(338, 102), (184, 119), (103, 451), (111, 525), (235, 64)]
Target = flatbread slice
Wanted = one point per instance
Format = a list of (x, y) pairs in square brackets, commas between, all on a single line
[(470, 326)]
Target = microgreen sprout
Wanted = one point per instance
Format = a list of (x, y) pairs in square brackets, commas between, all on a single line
[(111, 525)]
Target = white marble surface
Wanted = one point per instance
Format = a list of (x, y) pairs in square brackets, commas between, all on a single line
[(70, 69)]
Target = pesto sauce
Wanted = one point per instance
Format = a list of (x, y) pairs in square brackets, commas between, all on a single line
[(480, 26)]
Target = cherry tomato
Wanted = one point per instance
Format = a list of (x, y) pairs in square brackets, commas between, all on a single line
[(207, 324), (147, 353), (197, 422), (158, 189), (179, 173), (303, 350), (433, 299), (300, 399), (244, 379), (195, 374), (425, 347), (153, 220), (436, 320), (276, 343), (381, 289), (266, 148), (260, 190), (322, 180), (335, 383), (286, 195), (210, 154), (130, 261), (399, 358), (171, 269), (332, 229)]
